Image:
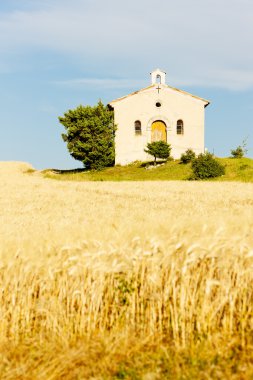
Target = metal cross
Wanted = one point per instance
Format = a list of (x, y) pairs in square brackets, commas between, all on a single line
[(158, 88)]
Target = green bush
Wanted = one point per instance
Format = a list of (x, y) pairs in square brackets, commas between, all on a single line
[(187, 156), (206, 166), (240, 151)]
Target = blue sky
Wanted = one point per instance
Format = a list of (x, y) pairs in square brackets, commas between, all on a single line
[(57, 54)]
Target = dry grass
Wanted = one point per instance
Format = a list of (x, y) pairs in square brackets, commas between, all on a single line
[(125, 280)]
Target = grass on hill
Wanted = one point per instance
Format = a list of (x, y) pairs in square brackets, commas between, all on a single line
[(240, 169)]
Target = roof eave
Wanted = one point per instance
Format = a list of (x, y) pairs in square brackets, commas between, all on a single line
[(165, 85), (132, 93)]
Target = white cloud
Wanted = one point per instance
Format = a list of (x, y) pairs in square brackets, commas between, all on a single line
[(106, 83), (205, 43), (229, 79), (220, 78)]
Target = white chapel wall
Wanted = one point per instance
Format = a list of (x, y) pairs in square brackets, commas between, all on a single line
[(142, 106)]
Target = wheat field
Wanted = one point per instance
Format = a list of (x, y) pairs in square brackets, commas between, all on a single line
[(98, 278)]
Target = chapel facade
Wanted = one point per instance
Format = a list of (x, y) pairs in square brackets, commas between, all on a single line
[(158, 112)]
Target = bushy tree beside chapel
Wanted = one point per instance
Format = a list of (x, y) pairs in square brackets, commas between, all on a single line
[(90, 135)]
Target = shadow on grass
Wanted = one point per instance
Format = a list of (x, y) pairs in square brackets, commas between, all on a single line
[(151, 163), (68, 171)]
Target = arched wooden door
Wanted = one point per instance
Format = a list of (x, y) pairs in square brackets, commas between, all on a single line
[(158, 131)]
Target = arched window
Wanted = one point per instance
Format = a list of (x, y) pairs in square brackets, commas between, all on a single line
[(158, 79), (180, 127), (137, 127)]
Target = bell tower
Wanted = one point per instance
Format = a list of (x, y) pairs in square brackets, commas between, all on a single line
[(158, 76)]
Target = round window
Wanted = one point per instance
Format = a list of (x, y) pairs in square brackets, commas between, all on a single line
[(158, 104)]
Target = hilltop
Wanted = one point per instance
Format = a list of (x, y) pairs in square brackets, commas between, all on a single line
[(236, 170)]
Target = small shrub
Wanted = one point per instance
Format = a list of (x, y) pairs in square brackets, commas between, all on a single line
[(240, 151), (30, 171), (206, 166), (187, 156)]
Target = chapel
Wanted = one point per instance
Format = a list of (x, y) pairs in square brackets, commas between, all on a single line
[(158, 112)]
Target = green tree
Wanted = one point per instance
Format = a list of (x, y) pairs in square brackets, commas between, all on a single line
[(240, 151), (206, 166), (90, 133), (158, 149)]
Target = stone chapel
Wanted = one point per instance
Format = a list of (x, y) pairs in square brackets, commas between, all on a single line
[(158, 112)]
